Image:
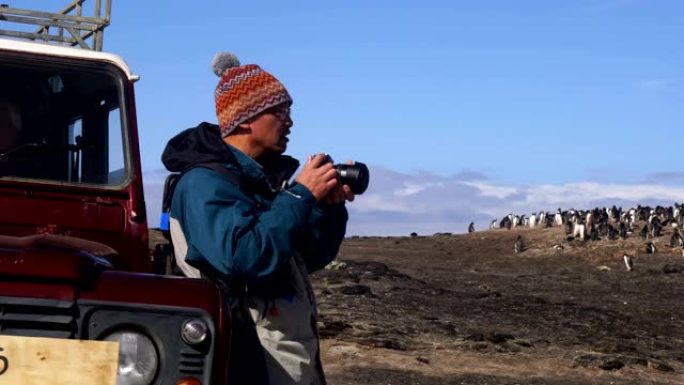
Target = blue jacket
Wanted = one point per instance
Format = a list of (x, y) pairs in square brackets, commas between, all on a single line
[(247, 228), (247, 233)]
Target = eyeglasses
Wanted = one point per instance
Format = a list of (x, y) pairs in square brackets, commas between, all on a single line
[(282, 113)]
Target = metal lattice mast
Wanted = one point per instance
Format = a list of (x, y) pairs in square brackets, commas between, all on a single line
[(66, 27)]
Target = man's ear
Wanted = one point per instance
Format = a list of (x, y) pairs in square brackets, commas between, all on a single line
[(244, 127)]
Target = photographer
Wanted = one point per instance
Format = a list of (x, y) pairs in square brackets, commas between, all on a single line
[(10, 125), (236, 221)]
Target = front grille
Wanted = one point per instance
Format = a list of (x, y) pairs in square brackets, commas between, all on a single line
[(191, 363), (35, 317)]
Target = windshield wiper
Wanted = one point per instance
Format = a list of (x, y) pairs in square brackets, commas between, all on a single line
[(6, 155)]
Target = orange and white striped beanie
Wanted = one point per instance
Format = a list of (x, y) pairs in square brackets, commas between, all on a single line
[(244, 91)]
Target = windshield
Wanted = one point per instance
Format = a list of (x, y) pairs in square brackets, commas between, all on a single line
[(61, 124)]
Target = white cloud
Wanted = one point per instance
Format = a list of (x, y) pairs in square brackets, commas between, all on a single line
[(655, 84), (378, 202), (409, 189), (412, 189), (400, 203), (489, 190), (582, 194)]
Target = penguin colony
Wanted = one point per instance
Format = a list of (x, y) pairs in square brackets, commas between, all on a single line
[(604, 223)]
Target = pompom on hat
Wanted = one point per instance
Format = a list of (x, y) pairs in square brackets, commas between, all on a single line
[(243, 91)]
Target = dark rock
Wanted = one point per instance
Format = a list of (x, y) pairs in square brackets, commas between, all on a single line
[(487, 292), (612, 364), (585, 360), (441, 234), (497, 338), (615, 347), (658, 365), (356, 290), (475, 337), (332, 328), (523, 343), (635, 361), (450, 330), (607, 361), (673, 269), (479, 346), (390, 344), (366, 269)]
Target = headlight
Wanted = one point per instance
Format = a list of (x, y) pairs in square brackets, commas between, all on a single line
[(138, 358)]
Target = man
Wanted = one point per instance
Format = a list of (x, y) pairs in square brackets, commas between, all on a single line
[(235, 219), (10, 125), (12, 161)]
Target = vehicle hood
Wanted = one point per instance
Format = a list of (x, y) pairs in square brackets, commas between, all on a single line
[(54, 257)]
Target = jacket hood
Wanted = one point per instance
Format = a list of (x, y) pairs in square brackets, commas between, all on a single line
[(197, 145)]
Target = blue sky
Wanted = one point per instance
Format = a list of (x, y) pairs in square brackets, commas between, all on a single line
[(464, 110)]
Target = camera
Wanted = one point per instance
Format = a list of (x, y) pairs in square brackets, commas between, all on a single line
[(356, 175)]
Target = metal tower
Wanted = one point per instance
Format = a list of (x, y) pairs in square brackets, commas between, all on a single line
[(66, 27)]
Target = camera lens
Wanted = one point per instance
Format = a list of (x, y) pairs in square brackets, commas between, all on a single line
[(355, 175)]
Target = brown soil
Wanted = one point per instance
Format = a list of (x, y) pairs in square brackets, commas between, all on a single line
[(465, 309)]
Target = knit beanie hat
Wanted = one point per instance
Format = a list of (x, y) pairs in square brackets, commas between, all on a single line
[(243, 91)]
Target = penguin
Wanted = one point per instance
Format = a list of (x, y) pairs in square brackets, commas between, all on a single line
[(676, 239), (623, 231), (471, 227), (558, 218), (568, 228), (506, 222), (629, 262), (518, 246), (612, 233), (651, 248), (594, 234)]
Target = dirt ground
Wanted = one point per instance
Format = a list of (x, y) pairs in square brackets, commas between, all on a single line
[(465, 309)]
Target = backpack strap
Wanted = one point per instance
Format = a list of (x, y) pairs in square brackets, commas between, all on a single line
[(166, 255), (223, 170), (167, 196), (170, 187)]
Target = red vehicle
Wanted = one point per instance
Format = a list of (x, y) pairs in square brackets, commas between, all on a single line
[(74, 256)]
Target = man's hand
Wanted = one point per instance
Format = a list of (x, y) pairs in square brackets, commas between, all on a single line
[(339, 194), (319, 176)]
